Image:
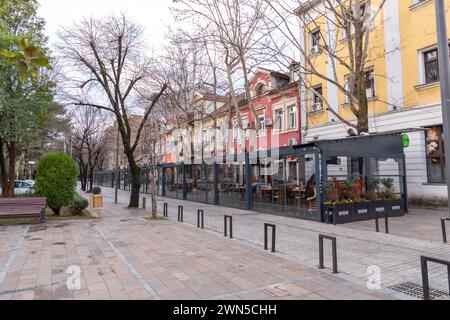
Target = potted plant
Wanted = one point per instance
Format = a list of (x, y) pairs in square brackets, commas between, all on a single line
[(394, 203), (342, 209), (378, 202)]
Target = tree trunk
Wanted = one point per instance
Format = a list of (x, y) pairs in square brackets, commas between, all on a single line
[(154, 173), (3, 176), (83, 178), (12, 169), (91, 179), (360, 77), (135, 181)]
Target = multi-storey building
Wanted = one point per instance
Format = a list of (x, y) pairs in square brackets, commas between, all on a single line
[(402, 86), (213, 127)]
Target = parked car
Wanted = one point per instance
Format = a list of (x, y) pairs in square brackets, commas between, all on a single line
[(22, 187), (32, 182)]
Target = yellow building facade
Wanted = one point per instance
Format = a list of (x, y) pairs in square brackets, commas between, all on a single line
[(404, 93)]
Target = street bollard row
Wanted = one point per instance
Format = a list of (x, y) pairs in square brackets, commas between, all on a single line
[(228, 231)]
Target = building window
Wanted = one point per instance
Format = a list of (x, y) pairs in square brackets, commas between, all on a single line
[(238, 131), (260, 89), (205, 137), (279, 126), (246, 126), (314, 37), (223, 129), (262, 125), (434, 141), (369, 84), (292, 113), (317, 103), (431, 64)]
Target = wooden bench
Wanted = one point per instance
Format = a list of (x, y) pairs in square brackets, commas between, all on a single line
[(23, 208)]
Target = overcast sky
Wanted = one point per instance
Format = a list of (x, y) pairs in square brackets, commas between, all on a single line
[(154, 15)]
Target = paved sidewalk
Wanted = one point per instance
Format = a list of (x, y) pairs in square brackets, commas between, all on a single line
[(396, 256), (123, 256)]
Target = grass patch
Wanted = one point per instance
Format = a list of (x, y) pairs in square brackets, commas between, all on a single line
[(5, 222), (157, 219), (132, 208), (68, 218)]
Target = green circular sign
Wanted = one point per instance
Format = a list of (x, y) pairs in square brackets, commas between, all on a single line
[(406, 141)]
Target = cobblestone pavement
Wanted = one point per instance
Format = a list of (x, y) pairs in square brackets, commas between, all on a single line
[(123, 256), (360, 248), (421, 224)]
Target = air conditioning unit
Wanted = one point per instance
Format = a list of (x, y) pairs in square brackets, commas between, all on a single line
[(292, 142), (268, 122), (318, 106)]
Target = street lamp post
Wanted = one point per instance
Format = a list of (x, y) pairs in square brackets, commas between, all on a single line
[(444, 67)]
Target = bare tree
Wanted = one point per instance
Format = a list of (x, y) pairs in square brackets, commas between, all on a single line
[(188, 68), (236, 27), (345, 42), (88, 142), (108, 69)]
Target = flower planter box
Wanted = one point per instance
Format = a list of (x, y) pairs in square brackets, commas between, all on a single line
[(341, 213), (379, 207), (396, 208), (362, 211)]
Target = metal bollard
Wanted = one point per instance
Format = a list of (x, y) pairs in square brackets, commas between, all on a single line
[(266, 242), (386, 222), (144, 203), (42, 216), (200, 219), (334, 253), (180, 214), (425, 279), (166, 210), (444, 229), (225, 225)]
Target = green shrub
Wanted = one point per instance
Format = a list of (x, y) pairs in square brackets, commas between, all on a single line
[(96, 190), (56, 180), (79, 204)]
